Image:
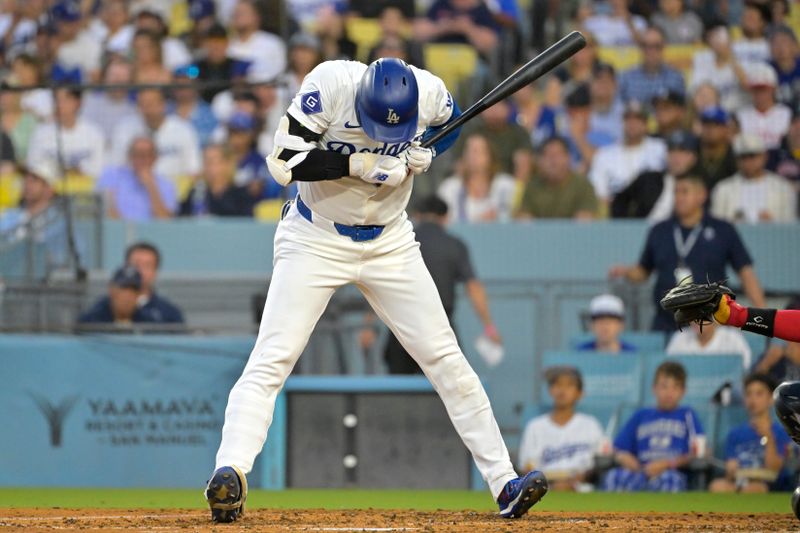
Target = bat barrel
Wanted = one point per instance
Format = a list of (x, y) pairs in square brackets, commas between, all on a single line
[(531, 71)]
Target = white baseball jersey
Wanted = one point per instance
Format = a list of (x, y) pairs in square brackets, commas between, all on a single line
[(770, 126), (547, 446), (616, 165), (326, 104), (82, 146)]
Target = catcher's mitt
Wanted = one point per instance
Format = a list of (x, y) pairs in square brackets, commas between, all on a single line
[(695, 302)]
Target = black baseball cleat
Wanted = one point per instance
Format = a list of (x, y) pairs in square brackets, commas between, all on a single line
[(226, 494), (521, 494), (796, 502), (787, 407)]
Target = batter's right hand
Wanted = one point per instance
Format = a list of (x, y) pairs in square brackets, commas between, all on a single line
[(378, 169)]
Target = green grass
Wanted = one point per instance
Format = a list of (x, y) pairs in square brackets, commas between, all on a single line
[(394, 499)]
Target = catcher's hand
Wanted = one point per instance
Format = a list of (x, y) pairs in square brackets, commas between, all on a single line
[(699, 302)]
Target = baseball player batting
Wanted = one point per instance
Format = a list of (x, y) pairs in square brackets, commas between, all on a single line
[(352, 140), (694, 302)]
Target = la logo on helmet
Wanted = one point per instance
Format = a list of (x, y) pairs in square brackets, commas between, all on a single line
[(392, 117)]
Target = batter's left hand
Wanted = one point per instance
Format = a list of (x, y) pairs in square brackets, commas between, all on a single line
[(417, 158)]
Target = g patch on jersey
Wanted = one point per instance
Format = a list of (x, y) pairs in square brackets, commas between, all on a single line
[(311, 103)]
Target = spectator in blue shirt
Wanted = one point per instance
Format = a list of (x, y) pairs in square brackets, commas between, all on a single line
[(119, 307), (135, 191), (151, 307), (608, 321), (190, 107), (653, 76), (691, 244), (786, 62), (459, 21), (657, 441), (756, 451)]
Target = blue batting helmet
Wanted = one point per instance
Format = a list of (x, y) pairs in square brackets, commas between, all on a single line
[(387, 100)]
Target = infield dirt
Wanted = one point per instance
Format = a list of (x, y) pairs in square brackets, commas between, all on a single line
[(165, 520)]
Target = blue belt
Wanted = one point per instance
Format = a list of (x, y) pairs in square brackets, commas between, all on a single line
[(357, 233)]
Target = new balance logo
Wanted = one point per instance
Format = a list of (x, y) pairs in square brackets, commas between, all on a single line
[(351, 126), (392, 117), (382, 177)]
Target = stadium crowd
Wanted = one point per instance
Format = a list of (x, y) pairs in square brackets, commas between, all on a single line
[(664, 88)]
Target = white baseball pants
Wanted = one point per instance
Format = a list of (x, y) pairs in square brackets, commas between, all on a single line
[(311, 261)]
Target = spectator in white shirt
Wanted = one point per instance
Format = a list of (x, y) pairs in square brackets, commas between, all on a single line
[(616, 165), (176, 140), (481, 193), (153, 16), (680, 25), (265, 50), (76, 47), (766, 118), (617, 27), (753, 194), (753, 45), (563, 442), (27, 71), (720, 67), (80, 142), (112, 27), (711, 340)]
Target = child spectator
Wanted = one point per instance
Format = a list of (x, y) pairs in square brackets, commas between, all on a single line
[(657, 441), (482, 192), (711, 340), (563, 442), (215, 192), (756, 451), (608, 322)]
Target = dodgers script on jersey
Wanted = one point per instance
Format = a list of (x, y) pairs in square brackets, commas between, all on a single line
[(325, 105)]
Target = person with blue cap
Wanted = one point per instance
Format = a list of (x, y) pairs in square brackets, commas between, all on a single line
[(76, 48), (352, 141)]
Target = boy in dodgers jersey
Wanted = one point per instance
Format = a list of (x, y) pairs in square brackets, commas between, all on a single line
[(351, 140), (562, 443), (656, 442)]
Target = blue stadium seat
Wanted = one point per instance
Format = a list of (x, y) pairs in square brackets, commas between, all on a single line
[(607, 378), (705, 374), (729, 417), (645, 341)]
